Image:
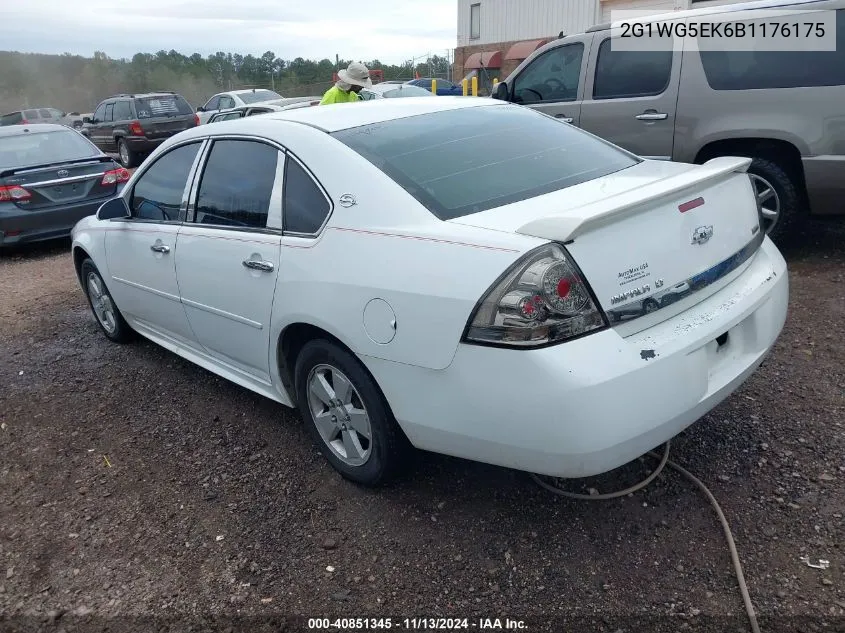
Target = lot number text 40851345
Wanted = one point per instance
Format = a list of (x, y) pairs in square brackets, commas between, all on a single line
[(415, 624)]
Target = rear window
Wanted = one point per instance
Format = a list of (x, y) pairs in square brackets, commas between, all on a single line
[(11, 119), (259, 95), (30, 114), (463, 161), (37, 148), (163, 105), (772, 69)]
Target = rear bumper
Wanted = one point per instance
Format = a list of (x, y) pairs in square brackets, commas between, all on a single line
[(18, 226), (142, 144), (595, 403), (825, 186)]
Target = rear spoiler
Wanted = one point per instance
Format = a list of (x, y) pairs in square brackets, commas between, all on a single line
[(93, 159), (574, 222)]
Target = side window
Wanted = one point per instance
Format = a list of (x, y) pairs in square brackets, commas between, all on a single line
[(226, 102), (627, 73), (45, 113), (56, 113), (772, 69), (158, 193), (109, 112), (30, 115), (553, 76), (304, 206), (213, 103), (122, 111), (237, 184), (100, 114)]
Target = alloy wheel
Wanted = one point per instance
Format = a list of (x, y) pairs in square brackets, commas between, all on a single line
[(768, 200), (339, 414), (102, 303)]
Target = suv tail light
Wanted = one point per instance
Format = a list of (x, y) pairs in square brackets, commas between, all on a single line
[(135, 129), (196, 120), (13, 193), (115, 176), (541, 300)]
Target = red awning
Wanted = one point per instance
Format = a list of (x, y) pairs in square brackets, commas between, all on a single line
[(493, 59), (521, 50)]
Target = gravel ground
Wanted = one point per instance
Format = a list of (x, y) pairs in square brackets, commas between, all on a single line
[(134, 484)]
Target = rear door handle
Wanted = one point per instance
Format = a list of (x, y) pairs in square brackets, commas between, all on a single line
[(564, 118), (257, 264), (160, 248), (652, 116)]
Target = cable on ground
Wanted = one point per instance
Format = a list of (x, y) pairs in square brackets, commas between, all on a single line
[(665, 461)]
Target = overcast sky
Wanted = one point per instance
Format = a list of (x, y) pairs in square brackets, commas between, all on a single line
[(389, 30)]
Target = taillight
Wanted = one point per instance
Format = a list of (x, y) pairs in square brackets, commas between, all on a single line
[(543, 299), (196, 120), (13, 193), (135, 129), (115, 176), (23, 122)]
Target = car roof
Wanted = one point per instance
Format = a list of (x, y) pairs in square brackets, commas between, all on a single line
[(710, 10), (16, 130), (246, 91), (343, 116)]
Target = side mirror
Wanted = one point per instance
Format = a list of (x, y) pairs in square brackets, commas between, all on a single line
[(113, 209), (501, 93), (200, 109), (87, 119)]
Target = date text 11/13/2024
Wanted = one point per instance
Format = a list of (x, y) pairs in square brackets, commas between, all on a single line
[(415, 624)]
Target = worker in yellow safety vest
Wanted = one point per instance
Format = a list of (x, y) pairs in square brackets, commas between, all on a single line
[(351, 80)]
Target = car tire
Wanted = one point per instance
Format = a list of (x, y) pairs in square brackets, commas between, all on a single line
[(128, 158), (385, 453), (103, 306), (787, 195)]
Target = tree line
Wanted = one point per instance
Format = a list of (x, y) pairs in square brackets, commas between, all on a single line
[(76, 84)]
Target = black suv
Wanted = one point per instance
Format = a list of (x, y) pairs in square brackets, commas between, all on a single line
[(134, 125)]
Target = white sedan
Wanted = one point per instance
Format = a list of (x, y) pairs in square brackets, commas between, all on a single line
[(235, 99), (447, 274)]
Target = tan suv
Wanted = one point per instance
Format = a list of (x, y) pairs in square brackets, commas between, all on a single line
[(784, 109)]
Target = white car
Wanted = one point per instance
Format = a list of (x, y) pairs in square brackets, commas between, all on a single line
[(264, 108), (235, 99), (390, 91), (444, 274)]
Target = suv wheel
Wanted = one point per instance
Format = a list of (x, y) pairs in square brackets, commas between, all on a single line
[(779, 197), (128, 158)]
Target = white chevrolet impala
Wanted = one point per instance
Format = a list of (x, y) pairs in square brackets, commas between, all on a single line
[(458, 275)]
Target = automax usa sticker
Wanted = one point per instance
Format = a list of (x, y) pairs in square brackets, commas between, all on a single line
[(633, 274)]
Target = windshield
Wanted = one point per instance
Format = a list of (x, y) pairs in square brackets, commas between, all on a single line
[(462, 161), (162, 105), (259, 95), (407, 91), (41, 148)]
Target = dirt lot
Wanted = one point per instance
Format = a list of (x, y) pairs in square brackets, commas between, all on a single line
[(135, 484)]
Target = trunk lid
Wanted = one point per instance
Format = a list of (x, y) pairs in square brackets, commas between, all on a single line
[(61, 183), (646, 236)]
